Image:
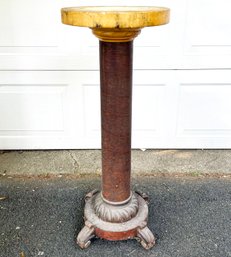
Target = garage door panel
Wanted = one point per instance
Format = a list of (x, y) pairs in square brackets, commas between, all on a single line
[(47, 115), (207, 25), (31, 107), (23, 27), (206, 38), (204, 109)]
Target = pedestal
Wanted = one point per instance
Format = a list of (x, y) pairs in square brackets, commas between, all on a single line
[(116, 212)]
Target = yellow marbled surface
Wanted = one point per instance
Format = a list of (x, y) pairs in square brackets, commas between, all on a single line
[(115, 24), (120, 17)]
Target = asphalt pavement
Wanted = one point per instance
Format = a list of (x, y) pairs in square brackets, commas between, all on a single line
[(190, 216)]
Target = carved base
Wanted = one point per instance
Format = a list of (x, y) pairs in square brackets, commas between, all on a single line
[(130, 222)]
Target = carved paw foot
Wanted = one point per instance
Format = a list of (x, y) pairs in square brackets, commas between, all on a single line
[(146, 237), (85, 235)]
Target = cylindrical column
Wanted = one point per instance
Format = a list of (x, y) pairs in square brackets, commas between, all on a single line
[(116, 101)]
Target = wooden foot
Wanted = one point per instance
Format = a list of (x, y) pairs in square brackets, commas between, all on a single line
[(145, 237), (120, 222), (85, 235)]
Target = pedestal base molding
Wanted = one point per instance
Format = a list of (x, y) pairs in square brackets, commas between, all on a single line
[(115, 213), (121, 226)]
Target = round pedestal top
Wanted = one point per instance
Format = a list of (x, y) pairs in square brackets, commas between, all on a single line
[(115, 17)]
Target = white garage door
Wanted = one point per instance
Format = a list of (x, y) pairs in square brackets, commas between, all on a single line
[(49, 79)]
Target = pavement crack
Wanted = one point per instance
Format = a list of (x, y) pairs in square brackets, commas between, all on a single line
[(75, 162)]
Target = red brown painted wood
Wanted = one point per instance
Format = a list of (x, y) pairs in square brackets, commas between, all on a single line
[(115, 236), (116, 101)]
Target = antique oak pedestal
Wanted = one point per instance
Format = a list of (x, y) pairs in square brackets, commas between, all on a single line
[(115, 212)]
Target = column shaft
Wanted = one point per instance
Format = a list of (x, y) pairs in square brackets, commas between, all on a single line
[(116, 106)]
